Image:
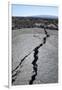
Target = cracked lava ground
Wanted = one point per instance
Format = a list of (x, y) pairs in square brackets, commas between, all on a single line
[(34, 56)]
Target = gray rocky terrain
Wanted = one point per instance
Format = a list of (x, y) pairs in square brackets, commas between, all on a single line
[(34, 56)]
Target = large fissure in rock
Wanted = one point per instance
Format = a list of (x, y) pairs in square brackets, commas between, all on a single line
[(16, 71), (34, 63)]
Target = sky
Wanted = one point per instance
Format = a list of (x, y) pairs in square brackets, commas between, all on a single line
[(31, 10)]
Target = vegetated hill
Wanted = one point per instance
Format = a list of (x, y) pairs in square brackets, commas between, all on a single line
[(35, 21), (44, 16)]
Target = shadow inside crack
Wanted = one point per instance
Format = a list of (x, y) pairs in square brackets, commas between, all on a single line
[(16, 71), (36, 57)]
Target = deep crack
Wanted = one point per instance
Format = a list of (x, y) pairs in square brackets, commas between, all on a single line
[(16, 70), (36, 57), (34, 65)]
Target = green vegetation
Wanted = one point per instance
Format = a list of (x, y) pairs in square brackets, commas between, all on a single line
[(32, 22)]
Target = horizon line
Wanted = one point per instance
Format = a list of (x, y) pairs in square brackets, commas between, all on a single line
[(35, 16)]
